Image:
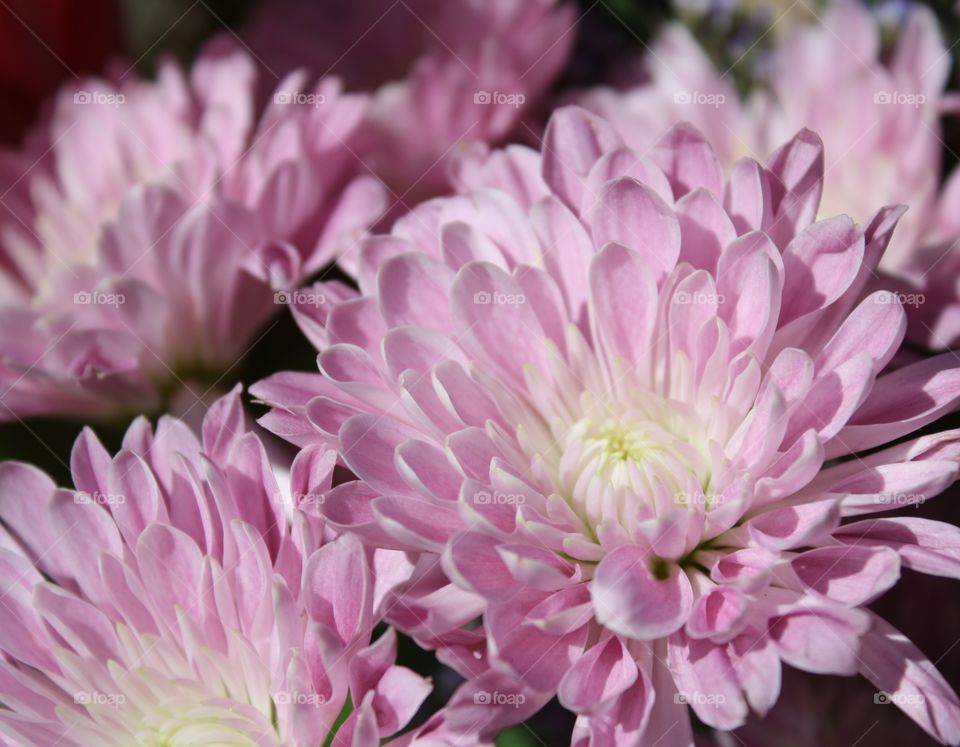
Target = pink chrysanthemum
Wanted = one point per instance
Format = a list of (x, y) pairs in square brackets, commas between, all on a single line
[(440, 72), (167, 600), (879, 123), (147, 227), (620, 396)]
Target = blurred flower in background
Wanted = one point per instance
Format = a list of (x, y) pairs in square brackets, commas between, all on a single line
[(870, 81), (441, 73), (879, 123), (148, 226)]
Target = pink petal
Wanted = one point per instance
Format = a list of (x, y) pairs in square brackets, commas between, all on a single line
[(567, 249), (749, 274), (630, 600), (414, 289), (669, 720), (563, 611), (491, 315), (899, 669), (794, 526), (747, 198), (890, 486), (472, 560), (924, 545), (820, 264), (426, 469), (624, 295), (539, 658), (705, 229), (573, 142), (23, 489), (626, 162), (719, 614), (850, 575), (631, 214), (901, 402), (86, 629), (135, 499), (688, 161), (223, 423), (823, 641), (749, 569), (338, 587), (757, 665), (707, 682), (418, 523), (89, 463), (368, 443), (877, 326), (536, 567), (797, 168), (170, 569), (400, 693), (833, 401), (349, 508), (604, 672), (358, 322)]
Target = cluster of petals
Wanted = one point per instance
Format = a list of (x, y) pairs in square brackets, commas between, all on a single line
[(641, 414), (441, 73), (879, 123), (880, 126), (147, 226), (170, 599)]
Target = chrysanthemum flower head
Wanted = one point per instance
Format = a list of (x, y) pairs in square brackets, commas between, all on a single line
[(880, 123), (168, 599), (148, 226), (627, 401)]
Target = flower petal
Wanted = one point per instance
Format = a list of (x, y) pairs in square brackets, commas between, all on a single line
[(632, 601)]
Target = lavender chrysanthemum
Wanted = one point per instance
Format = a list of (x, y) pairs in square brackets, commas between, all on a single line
[(626, 401), (148, 227), (169, 600)]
